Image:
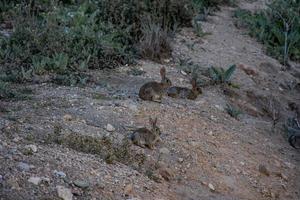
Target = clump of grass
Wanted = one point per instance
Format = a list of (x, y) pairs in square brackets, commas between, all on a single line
[(103, 147), (233, 111), (7, 92), (222, 76)]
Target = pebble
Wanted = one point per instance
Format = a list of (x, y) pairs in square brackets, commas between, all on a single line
[(23, 166), (67, 117), (263, 169), (35, 180), (211, 187), (180, 160), (64, 193), (31, 147), (81, 184), (164, 150), (59, 174), (183, 72), (110, 128)]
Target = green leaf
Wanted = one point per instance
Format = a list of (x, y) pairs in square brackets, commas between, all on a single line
[(229, 72)]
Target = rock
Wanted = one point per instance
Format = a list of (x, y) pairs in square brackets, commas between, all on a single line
[(180, 160), (164, 150), (67, 117), (35, 180), (110, 128), (31, 148), (211, 187), (263, 169), (64, 193), (59, 174), (183, 72), (24, 167), (81, 184), (128, 190)]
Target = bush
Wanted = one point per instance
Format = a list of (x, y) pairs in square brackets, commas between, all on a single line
[(278, 27), (66, 38)]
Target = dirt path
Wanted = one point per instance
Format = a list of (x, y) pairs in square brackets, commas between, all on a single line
[(205, 154)]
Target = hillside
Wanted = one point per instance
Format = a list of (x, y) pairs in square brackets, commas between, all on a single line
[(72, 139)]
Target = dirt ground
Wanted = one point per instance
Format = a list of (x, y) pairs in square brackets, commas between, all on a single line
[(59, 140)]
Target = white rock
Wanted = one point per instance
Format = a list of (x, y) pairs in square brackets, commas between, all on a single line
[(211, 187), (31, 147), (110, 128), (35, 180), (64, 193), (180, 160), (183, 72)]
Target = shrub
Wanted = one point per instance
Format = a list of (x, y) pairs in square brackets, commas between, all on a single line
[(278, 27), (220, 75)]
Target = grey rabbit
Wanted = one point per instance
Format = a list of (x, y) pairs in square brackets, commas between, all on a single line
[(153, 91), (144, 137)]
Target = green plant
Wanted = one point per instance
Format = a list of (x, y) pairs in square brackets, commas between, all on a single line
[(278, 27), (222, 76), (233, 111), (5, 91)]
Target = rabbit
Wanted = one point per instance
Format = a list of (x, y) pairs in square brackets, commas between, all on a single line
[(144, 137), (185, 93), (153, 91)]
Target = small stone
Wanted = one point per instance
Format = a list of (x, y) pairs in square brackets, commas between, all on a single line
[(67, 117), (128, 190), (183, 72), (23, 166), (64, 193), (164, 150), (32, 148), (263, 169), (180, 160), (59, 174), (210, 133), (110, 128), (35, 180), (81, 184), (211, 187)]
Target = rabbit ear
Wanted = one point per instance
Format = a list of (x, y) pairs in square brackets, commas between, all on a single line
[(163, 72), (152, 121)]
